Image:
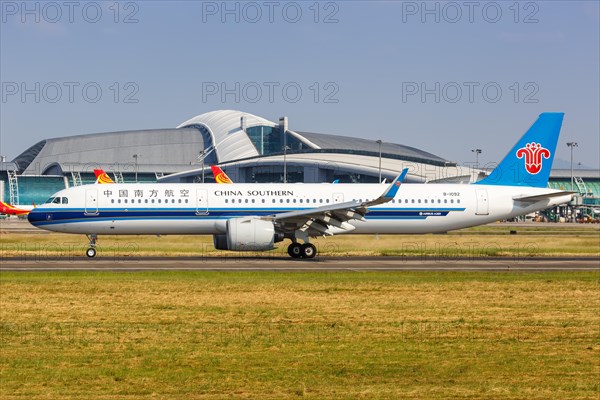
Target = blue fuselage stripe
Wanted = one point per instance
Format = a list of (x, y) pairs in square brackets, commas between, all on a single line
[(50, 216)]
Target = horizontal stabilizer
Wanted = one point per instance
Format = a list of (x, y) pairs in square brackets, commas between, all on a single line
[(541, 196)]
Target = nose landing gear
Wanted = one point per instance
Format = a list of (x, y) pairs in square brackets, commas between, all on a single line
[(91, 252)]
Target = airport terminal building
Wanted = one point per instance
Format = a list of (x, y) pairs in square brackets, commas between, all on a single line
[(248, 148)]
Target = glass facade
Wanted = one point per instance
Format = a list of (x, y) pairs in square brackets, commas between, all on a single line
[(35, 189), (593, 187), (351, 177), (270, 140), (274, 173)]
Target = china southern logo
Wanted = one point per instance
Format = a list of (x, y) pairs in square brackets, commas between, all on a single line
[(533, 153)]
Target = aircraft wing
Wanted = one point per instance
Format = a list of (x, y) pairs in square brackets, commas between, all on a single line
[(332, 219)]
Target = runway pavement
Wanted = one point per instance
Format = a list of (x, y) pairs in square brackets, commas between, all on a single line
[(280, 264)]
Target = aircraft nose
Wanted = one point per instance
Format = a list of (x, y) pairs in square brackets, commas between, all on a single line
[(34, 216)]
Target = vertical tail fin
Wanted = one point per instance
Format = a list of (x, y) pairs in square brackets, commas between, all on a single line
[(530, 160), (102, 177), (220, 175)]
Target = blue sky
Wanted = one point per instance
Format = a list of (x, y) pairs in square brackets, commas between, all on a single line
[(474, 78)]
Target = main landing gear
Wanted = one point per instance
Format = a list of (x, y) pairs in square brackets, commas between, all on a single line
[(306, 250), (91, 252)]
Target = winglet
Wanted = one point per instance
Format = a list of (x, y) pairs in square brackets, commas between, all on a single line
[(391, 191)]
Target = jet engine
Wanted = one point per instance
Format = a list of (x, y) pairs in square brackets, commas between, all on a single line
[(247, 234)]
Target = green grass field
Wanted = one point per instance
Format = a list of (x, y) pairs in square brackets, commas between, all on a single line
[(489, 240), (192, 335)]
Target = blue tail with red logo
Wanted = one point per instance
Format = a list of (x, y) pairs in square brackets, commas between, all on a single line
[(530, 161)]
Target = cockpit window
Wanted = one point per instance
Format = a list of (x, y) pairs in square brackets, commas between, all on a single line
[(50, 200), (56, 200), (65, 200)]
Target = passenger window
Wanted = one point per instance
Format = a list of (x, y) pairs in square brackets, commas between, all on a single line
[(294, 200), (246, 201), (152, 201), (159, 201), (452, 201), (419, 201), (412, 201), (287, 200), (226, 201), (445, 201), (439, 201), (458, 200), (186, 200), (425, 201), (119, 201), (273, 200), (112, 201), (320, 200), (146, 201), (314, 200), (252, 201), (263, 201), (179, 201)]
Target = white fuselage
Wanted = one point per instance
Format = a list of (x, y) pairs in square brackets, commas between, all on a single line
[(133, 209)]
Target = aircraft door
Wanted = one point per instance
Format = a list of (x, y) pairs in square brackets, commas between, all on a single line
[(91, 202), (338, 198), (482, 202), (201, 202)]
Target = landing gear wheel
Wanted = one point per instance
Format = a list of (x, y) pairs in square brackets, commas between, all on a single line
[(309, 250), (91, 252), (295, 250)]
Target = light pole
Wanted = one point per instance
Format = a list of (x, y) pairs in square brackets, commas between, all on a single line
[(201, 156), (571, 145), (285, 149), (477, 153), (379, 142), (135, 157)]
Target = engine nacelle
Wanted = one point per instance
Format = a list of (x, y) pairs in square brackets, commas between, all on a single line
[(247, 234)]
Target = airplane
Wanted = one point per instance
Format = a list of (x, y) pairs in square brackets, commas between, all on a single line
[(220, 175), (253, 217), (9, 209)]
